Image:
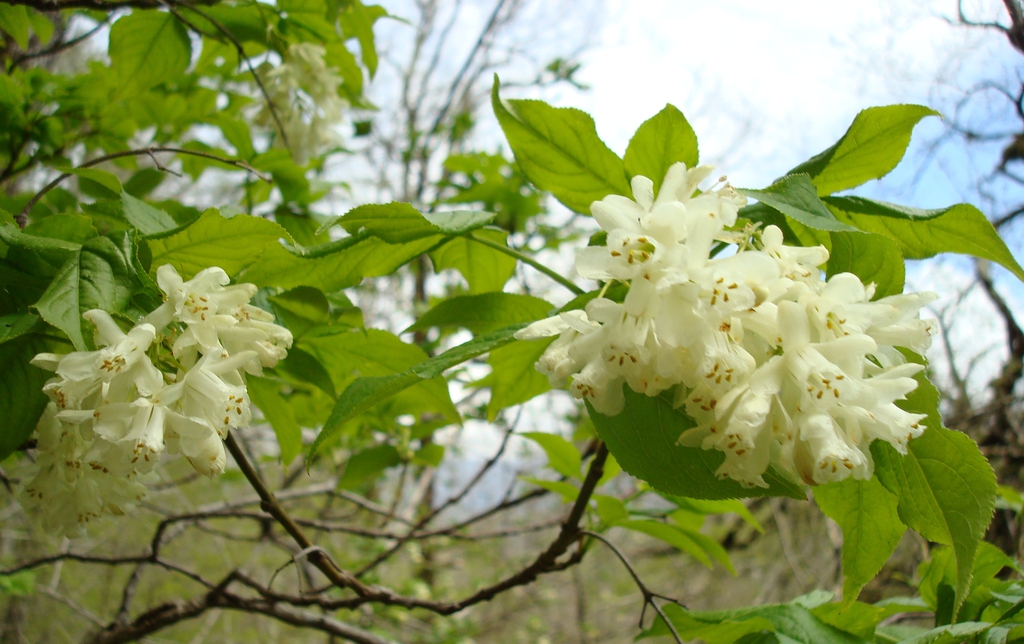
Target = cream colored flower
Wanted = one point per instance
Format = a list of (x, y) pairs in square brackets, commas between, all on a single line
[(776, 365)]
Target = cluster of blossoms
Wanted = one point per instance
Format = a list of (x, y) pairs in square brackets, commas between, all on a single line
[(776, 365), (113, 411), (304, 93)]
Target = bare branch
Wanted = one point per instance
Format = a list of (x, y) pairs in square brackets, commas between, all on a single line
[(22, 217), (649, 596), (239, 48), (99, 5), (271, 506), (1002, 429), (60, 46)]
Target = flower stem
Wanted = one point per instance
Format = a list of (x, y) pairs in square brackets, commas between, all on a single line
[(526, 259)]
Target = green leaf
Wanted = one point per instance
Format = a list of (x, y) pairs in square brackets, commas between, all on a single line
[(213, 240), (237, 133), (643, 439), (513, 378), (334, 265), (712, 548), (369, 391), (707, 627), (875, 259), (563, 457), (144, 182), (610, 509), (22, 400), (246, 22), (559, 151), (567, 490), (266, 394), (483, 313), (72, 228), (398, 222), (945, 486), (724, 506), (357, 22), (430, 455), (394, 222), (853, 617), (795, 197), (105, 179), (97, 276), (19, 584), (939, 575), (147, 48), (485, 268), (872, 146), (302, 366), (662, 140), (42, 26), (368, 464), (795, 623), (31, 263), (949, 634), (301, 309), (146, 218), (925, 233), (671, 535), (611, 468), (14, 22), (15, 325), (866, 512)]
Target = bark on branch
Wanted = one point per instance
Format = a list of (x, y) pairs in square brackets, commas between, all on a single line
[(99, 5)]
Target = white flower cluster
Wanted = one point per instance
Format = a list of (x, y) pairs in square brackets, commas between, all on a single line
[(304, 93), (776, 365), (114, 411)]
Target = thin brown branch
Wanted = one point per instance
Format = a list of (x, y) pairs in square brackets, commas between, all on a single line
[(649, 596), (967, 22), (22, 217), (98, 5), (545, 562), (1002, 430), (219, 597), (1008, 217), (273, 507), (240, 49), (58, 47)]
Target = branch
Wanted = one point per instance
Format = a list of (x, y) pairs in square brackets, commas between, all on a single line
[(1016, 32), (649, 596), (1008, 217), (273, 507), (170, 4), (1002, 387), (22, 217), (547, 561), (964, 20), (60, 46), (171, 613), (100, 5)]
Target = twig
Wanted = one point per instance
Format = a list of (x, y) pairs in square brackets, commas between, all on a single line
[(22, 217), (60, 46), (170, 4), (649, 596), (89, 615), (47, 6), (271, 506)]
